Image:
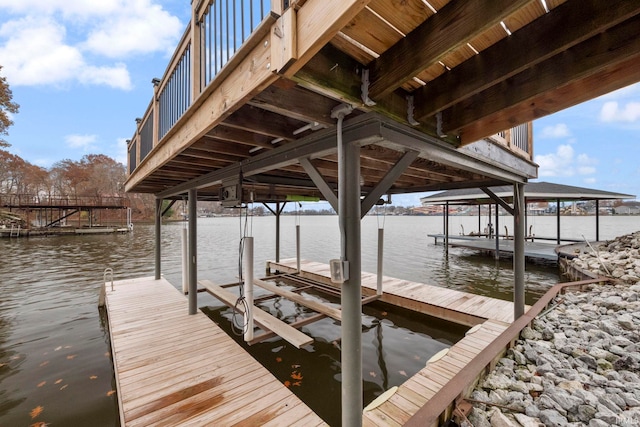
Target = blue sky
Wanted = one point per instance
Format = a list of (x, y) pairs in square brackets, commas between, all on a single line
[(81, 72)]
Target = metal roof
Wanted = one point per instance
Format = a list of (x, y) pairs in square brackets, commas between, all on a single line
[(533, 191)]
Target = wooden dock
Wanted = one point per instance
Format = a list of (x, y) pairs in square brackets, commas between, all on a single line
[(536, 250), (490, 316), (449, 304), (175, 369)]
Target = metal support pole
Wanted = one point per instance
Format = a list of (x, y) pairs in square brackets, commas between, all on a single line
[(489, 226), (185, 262), (479, 219), (298, 247), (350, 233), (193, 253), (158, 220), (446, 227), (518, 250), (497, 254), (597, 220), (558, 221), (248, 287), (380, 259), (278, 232)]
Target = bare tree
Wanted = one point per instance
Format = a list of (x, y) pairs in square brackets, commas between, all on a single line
[(7, 107)]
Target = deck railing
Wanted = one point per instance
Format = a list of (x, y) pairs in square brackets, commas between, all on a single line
[(221, 29), (224, 27), (518, 139), (26, 200)]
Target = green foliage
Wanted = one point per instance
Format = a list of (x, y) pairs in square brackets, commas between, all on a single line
[(7, 107)]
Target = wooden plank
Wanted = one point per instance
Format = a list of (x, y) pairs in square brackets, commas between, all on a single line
[(592, 61), (195, 372), (261, 317), (453, 26), (553, 33), (334, 313)]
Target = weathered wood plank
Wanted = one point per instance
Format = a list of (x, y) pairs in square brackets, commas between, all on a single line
[(261, 317), (334, 313), (192, 372)]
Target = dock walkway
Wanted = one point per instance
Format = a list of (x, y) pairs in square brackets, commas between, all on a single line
[(175, 369), (449, 304), (537, 250)]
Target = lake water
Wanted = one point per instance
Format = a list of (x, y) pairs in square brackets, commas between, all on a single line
[(54, 352)]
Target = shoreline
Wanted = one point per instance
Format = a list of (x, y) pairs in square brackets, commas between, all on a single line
[(579, 362)]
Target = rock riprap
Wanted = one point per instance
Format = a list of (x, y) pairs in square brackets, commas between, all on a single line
[(579, 362)]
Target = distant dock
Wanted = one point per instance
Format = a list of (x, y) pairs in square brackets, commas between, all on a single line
[(533, 250)]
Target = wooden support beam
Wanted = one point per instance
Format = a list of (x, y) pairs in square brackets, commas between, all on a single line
[(452, 27), (261, 317), (264, 122), (594, 67), (334, 313), (296, 102), (336, 75), (318, 21), (549, 35)]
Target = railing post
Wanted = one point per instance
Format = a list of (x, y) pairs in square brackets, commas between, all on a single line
[(196, 50), (155, 113)]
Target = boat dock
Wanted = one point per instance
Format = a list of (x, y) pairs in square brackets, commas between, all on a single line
[(535, 250), (172, 368), (181, 369)]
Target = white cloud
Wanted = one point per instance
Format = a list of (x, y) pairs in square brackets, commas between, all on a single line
[(57, 42), (84, 142), (140, 28), (560, 130), (612, 111), (590, 180), (564, 162), (35, 53)]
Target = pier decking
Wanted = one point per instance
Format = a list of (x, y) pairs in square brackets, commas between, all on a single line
[(175, 369), (449, 304), (545, 251)]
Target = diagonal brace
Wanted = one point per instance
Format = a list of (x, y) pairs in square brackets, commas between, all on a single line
[(319, 181), (507, 207), (387, 181)]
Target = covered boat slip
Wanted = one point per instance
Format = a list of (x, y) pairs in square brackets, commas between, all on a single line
[(175, 369), (349, 101)]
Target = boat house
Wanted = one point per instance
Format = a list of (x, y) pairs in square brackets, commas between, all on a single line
[(348, 101)]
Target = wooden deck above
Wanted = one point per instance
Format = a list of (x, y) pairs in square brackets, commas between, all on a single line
[(454, 71), (175, 369)]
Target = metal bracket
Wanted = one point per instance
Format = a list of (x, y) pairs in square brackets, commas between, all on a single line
[(439, 130), (365, 89), (410, 109)]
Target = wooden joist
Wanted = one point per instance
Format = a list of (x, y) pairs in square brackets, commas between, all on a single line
[(334, 313), (261, 317)]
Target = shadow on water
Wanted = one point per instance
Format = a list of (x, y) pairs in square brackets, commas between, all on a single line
[(396, 343)]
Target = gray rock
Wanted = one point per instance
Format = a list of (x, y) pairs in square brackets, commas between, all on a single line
[(626, 322), (598, 423), (532, 411), (568, 402), (589, 360), (496, 381), (529, 334), (526, 421), (518, 357), (498, 419), (479, 418), (630, 400), (586, 413), (552, 418)]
